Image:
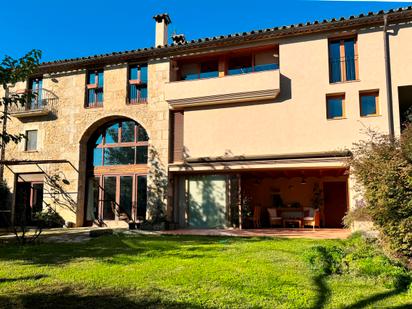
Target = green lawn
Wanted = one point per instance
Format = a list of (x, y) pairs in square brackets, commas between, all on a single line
[(123, 271)]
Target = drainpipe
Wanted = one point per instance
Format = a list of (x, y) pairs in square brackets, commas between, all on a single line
[(388, 78)]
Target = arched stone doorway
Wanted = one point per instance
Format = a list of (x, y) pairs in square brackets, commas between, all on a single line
[(115, 173)]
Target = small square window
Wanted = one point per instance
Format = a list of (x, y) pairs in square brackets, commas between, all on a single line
[(335, 108), (31, 140), (369, 104)]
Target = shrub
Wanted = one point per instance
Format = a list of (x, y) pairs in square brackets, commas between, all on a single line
[(358, 256), (359, 213), (325, 260), (49, 219), (383, 168)]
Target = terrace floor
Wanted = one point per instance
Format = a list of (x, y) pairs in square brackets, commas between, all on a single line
[(322, 233), (84, 233)]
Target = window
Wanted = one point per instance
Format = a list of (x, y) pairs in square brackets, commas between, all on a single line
[(255, 62), (31, 140), (265, 61), (335, 108), (94, 87), (205, 69), (137, 84), (343, 60), (240, 65), (35, 89), (369, 104), (120, 143)]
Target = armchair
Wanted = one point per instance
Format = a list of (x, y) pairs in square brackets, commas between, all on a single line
[(311, 217), (274, 219)]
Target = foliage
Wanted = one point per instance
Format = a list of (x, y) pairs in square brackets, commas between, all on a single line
[(325, 260), (4, 205), (135, 271), (359, 213), (383, 168), (4, 194), (317, 199), (11, 72), (360, 257), (157, 189), (49, 218)]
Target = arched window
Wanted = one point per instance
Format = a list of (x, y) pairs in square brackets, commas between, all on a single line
[(120, 143), (117, 172)]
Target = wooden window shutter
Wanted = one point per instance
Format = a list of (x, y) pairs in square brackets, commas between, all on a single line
[(178, 123)]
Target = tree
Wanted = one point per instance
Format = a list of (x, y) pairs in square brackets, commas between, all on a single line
[(383, 168), (13, 71)]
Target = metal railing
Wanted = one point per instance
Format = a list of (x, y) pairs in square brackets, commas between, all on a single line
[(37, 100)]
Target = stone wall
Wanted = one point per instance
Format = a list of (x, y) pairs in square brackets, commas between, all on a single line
[(63, 134)]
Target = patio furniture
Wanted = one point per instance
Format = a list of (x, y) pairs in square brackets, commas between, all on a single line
[(293, 221), (311, 217), (274, 219)]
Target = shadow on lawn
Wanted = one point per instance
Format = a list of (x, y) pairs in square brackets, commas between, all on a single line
[(119, 249), (36, 277), (324, 292), (378, 297), (68, 299)]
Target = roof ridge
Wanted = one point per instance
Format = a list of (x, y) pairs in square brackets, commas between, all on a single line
[(228, 36)]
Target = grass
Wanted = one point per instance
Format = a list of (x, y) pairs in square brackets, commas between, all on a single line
[(129, 271)]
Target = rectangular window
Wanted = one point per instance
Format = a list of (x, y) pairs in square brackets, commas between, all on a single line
[(343, 60), (31, 140), (335, 108), (205, 69), (94, 88), (266, 61), (137, 87), (35, 89), (256, 62), (240, 65), (369, 104)]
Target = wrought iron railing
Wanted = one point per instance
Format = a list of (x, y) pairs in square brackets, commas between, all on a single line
[(37, 100)]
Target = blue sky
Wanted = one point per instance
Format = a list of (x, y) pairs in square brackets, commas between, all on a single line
[(76, 28)]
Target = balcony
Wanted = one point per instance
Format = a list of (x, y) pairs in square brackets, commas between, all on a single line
[(40, 103), (255, 86)]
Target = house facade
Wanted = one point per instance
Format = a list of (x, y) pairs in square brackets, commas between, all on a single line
[(213, 132)]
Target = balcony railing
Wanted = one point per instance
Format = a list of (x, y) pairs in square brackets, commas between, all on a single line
[(39, 103)]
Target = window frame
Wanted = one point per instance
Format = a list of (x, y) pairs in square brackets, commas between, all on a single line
[(137, 83), (36, 100), (253, 62), (118, 144), (199, 69), (96, 87), (341, 40), (374, 93), (27, 140), (336, 96)]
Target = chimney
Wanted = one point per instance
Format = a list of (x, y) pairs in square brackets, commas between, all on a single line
[(179, 39), (162, 21)]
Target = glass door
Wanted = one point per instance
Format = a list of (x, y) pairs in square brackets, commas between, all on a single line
[(109, 197), (112, 197), (126, 197)]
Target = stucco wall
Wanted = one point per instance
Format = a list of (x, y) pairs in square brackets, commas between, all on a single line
[(296, 122)]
